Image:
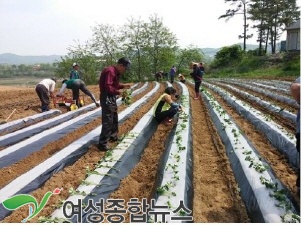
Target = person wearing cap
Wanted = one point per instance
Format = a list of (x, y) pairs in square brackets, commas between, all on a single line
[(109, 87), (74, 74), (44, 89), (165, 107), (75, 85)]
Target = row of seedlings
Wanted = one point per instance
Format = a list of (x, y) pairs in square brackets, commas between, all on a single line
[(173, 197), (34, 178), (279, 137), (267, 105), (115, 165), (275, 96), (71, 116), (22, 149), (264, 195)]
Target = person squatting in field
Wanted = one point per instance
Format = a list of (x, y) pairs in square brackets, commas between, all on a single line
[(295, 92), (159, 76), (165, 107), (75, 85), (181, 78), (109, 89), (44, 89)]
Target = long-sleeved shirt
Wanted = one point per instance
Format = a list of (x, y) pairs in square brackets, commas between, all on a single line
[(109, 81), (67, 84), (196, 74)]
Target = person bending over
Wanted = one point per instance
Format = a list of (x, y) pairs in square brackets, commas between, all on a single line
[(165, 108), (75, 85)]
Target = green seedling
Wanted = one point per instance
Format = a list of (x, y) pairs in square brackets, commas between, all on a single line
[(46, 219)]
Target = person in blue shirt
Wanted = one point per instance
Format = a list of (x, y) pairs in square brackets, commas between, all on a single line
[(295, 92), (74, 74)]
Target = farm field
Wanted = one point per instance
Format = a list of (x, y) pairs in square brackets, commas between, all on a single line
[(230, 156)]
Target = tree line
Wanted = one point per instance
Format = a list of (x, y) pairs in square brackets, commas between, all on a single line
[(152, 47), (270, 17)]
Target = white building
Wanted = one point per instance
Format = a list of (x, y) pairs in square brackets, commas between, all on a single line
[(293, 36)]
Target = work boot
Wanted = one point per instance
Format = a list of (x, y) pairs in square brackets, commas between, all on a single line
[(103, 148), (44, 108), (118, 139)]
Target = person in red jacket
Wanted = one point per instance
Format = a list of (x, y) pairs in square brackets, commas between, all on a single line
[(109, 87)]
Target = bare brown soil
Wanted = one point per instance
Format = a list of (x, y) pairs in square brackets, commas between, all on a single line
[(216, 194)]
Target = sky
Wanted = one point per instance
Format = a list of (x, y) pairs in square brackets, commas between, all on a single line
[(49, 27)]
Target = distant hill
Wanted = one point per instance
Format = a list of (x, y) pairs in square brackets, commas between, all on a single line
[(12, 59)]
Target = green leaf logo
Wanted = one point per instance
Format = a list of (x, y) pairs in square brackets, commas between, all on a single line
[(17, 201)]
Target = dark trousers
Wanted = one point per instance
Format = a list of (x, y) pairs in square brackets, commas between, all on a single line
[(197, 85), (43, 94), (172, 78), (80, 85), (164, 114), (109, 118)]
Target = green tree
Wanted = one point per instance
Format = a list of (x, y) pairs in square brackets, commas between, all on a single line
[(158, 42), (106, 43), (81, 54), (270, 19), (240, 7), (186, 56), (228, 56), (132, 37)]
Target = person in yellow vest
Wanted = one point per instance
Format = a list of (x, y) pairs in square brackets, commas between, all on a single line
[(165, 107)]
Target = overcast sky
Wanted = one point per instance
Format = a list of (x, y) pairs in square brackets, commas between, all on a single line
[(46, 27)]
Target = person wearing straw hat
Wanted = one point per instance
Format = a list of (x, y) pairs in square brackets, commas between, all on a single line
[(197, 77), (181, 78)]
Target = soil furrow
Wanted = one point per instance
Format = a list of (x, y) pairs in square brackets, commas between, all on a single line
[(216, 198)]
